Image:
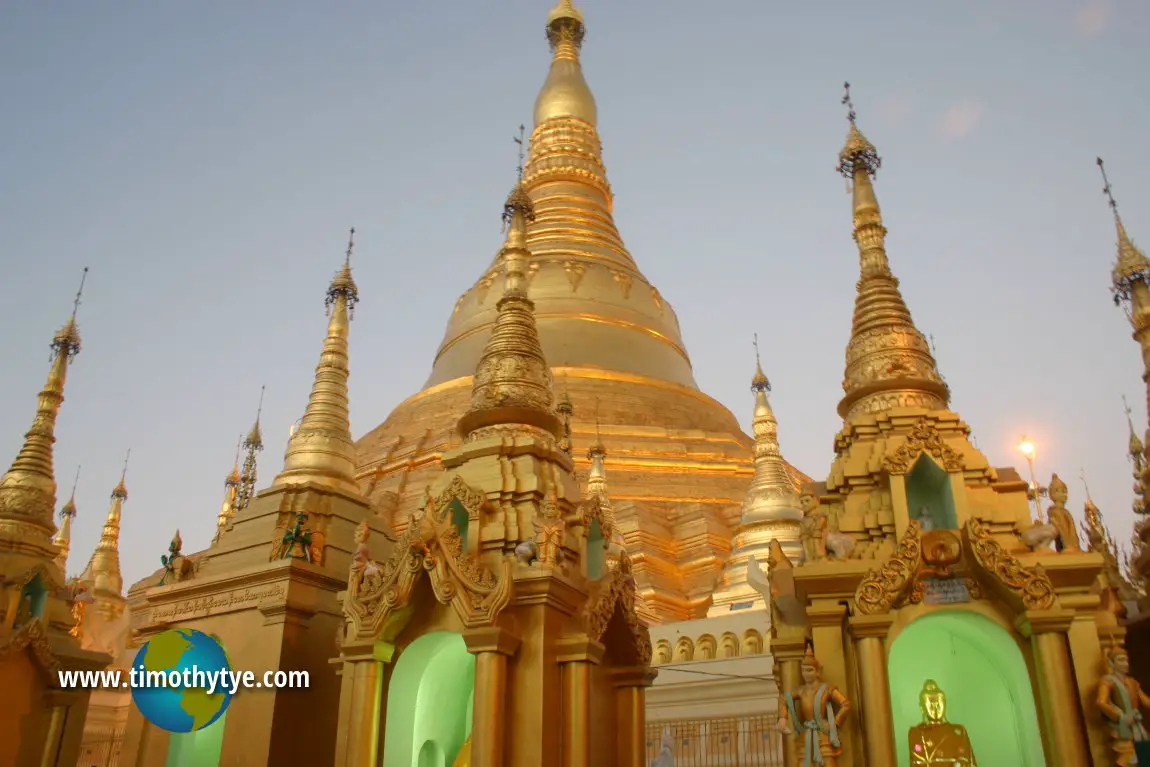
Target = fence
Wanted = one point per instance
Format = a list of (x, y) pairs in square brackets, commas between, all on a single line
[(745, 741), (101, 748)]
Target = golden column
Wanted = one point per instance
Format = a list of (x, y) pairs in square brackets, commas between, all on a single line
[(361, 704), (1058, 691), (492, 646), (870, 633), (788, 653), (577, 656), (631, 713)]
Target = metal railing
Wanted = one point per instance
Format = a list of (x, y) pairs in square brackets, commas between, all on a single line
[(101, 748), (745, 741)]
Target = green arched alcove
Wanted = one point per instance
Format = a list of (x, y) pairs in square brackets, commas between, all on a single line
[(596, 551), (197, 749), (429, 699), (987, 684)]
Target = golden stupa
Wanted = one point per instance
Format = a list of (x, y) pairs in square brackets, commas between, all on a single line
[(679, 462)]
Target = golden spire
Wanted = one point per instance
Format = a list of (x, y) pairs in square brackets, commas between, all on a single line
[(28, 488), (512, 383), (565, 409), (103, 570), (888, 361), (597, 455), (321, 449), (770, 509), (252, 444), (63, 538), (231, 487), (565, 93), (1131, 274)]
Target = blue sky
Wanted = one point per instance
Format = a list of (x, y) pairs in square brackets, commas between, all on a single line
[(206, 160)]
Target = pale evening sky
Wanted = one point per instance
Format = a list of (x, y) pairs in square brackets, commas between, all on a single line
[(206, 160)]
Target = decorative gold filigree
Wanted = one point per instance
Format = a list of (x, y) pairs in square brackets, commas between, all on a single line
[(469, 498), (617, 592), (1031, 585), (430, 544), (884, 586), (924, 438), (623, 280), (33, 635), (575, 271)]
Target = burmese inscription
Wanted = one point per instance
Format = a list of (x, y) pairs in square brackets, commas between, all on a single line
[(217, 603)]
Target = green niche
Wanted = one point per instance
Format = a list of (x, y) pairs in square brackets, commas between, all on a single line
[(596, 551), (928, 487), (197, 749), (987, 684), (429, 702), (459, 518)]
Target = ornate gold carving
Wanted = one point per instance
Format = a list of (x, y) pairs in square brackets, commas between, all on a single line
[(1031, 585), (575, 271), (623, 280), (924, 438), (884, 586), (941, 549), (657, 298), (617, 592), (469, 498), (430, 544), (33, 635)]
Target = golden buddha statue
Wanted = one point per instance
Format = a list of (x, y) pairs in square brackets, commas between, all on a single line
[(464, 757), (813, 714), (1060, 517), (935, 740), (1122, 701)]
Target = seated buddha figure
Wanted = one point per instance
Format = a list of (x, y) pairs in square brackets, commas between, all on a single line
[(936, 741)]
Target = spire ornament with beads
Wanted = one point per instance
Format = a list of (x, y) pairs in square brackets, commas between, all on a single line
[(512, 385), (63, 537), (321, 449), (28, 488), (231, 488), (253, 444), (888, 361)]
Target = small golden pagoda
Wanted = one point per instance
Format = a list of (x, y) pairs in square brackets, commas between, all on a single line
[(680, 465), (266, 588), (40, 616), (934, 598), (500, 630)]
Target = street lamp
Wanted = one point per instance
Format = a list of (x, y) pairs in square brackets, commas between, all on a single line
[(1035, 491)]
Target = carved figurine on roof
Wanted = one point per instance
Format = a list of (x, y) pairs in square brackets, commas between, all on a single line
[(506, 554), (177, 567), (936, 554)]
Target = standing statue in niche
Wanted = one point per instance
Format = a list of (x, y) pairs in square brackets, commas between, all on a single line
[(1067, 539), (813, 527), (935, 741), (1122, 701), (926, 519), (813, 714)]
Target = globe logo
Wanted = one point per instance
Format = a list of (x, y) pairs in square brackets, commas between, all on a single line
[(179, 680)]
